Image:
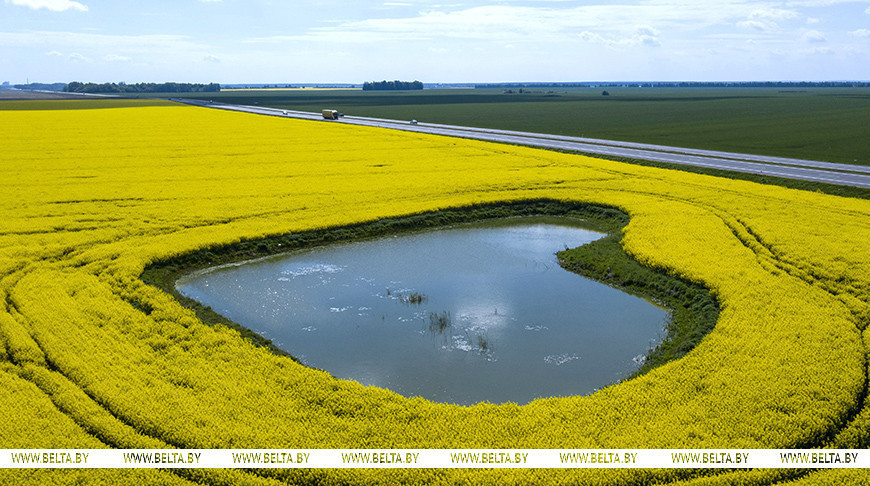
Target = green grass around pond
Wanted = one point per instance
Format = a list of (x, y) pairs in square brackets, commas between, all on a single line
[(829, 124), (693, 309)]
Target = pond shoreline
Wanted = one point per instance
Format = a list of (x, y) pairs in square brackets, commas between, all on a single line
[(693, 310)]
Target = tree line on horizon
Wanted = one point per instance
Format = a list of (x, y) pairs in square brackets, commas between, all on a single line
[(77, 87), (391, 85)]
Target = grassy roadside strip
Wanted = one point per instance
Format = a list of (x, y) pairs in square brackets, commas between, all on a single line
[(693, 309)]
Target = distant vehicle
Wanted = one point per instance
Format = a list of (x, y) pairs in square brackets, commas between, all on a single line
[(413, 122), (284, 112), (331, 115)]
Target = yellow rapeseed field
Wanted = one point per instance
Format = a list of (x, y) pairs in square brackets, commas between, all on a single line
[(92, 357)]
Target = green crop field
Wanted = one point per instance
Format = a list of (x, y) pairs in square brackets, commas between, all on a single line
[(829, 124)]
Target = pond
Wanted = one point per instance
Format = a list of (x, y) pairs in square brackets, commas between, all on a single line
[(461, 315)]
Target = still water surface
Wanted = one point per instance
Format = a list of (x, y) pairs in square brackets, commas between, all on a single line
[(499, 320)]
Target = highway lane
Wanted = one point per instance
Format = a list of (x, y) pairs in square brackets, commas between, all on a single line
[(809, 170)]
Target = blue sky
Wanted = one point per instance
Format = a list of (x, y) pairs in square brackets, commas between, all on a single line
[(247, 41)]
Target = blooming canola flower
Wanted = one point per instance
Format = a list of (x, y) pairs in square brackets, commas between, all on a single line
[(93, 357)]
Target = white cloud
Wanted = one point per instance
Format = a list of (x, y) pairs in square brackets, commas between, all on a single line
[(587, 36), (753, 25), (54, 5), (93, 50), (814, 36), (773, 14), (812, 20), (505, 23), (212, 59), (860, 33), (766, 20), (647, 36), (823, 51), (646, 30), (643, 36), (867, 11), (76, 57), (649, 41), (88, 41), (54, 54)]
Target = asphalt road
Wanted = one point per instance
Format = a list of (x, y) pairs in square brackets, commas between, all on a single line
[(809, 170)]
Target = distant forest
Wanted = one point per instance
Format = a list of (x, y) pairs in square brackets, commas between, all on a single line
[(391, 85), (76, 87)]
